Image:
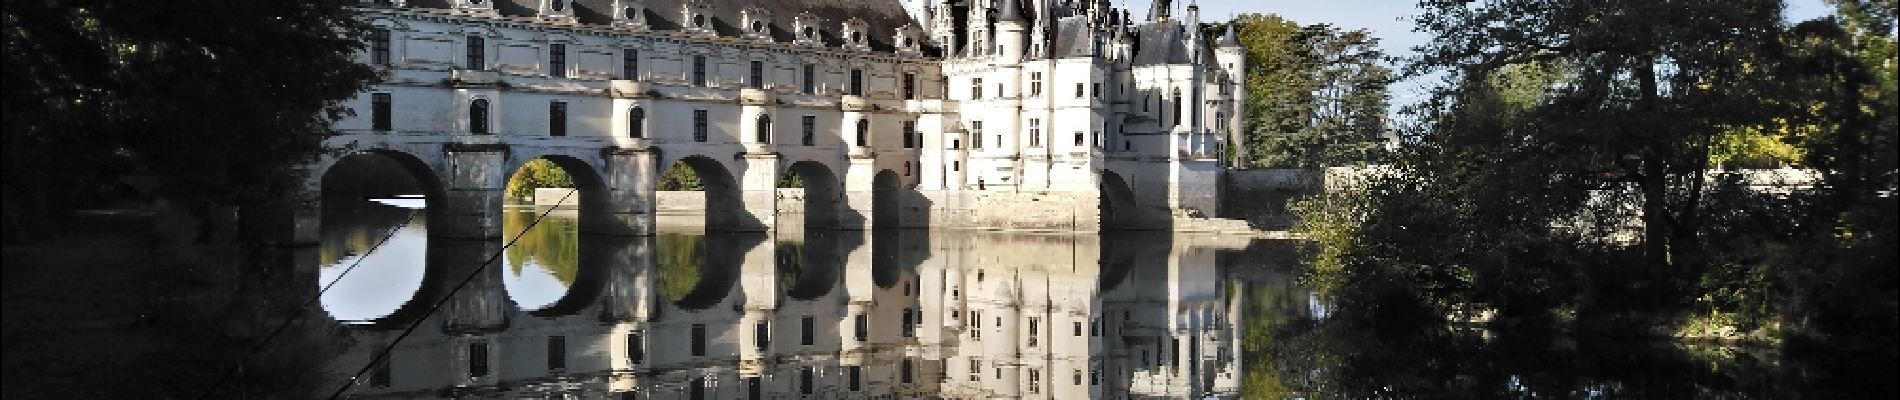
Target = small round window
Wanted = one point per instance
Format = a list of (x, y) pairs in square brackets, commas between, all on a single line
[(758, 26), (857, 37), (628, 12), (699, 20), (808, 31), (906, 42), (559, 5)]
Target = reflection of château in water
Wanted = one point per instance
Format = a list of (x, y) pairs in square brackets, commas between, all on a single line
[(907, 314)]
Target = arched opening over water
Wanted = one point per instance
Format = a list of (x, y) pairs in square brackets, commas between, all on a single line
[(821, 196), (1117, 204), (699, 186), (548, 198), (365, 197)]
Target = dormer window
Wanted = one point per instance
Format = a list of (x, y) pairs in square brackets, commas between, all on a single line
[(632, 14), (556, 10), (854, 34), (481, 7), (906, 39), (698, 15), (758, 21), (807, 27)]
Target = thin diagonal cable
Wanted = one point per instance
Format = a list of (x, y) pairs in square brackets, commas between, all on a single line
[(445, 298), (306, 306)]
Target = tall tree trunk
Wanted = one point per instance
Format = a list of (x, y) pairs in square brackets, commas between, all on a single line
[(1655, 176)]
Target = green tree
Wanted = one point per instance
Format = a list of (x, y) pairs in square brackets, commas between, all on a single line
[(680, 176), (202, 103), (535, 174), (1565, 164), (1317, 95)]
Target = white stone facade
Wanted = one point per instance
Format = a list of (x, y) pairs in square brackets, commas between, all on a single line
[(982, 103)]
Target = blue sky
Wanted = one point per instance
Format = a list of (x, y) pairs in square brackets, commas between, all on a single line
[(1387, 19)]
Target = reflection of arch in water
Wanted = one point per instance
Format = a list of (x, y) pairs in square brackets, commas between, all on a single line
[(887, 261), (725, 206), (813, 268), (885, 187), (824, 193), (711, 262), (596, 252), (446, 264), (1122, 252), (1117, 205)]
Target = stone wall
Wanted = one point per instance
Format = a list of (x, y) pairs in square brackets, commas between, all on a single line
[(1261, 196)]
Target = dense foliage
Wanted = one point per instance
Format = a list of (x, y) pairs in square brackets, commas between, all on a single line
[(1569, 170), (1316, 94), (200, 103), (535, 174)]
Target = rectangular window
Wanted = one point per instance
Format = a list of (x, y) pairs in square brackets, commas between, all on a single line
[(809, 135), (557, 118), (557, 60), (757, 79), (699, 71), (1079, 138), (477, 53), (1078, 328), (699, 125), (762, 336), (810, 84), (976, 88), (1035, 132), (1035, 84), (857, 373), (857, 82), (557, 353), (1032, 332), (905, 374), (379, 47), (804, 381), (1035, 380), (805, 330), (477, 359), (863, 327), (1095, 90), (379, 111), (629, 65), (636, 350), (754, 389), (910, 86), (975, 366), (910, 134), (699, 340), (976, 135), (910, 326)]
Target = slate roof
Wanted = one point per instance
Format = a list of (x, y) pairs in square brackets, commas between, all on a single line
[(881, 17), (1160, 43)]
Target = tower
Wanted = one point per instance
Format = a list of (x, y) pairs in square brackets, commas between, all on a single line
[(1233, 64)]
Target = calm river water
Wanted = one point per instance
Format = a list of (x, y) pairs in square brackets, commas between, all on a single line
[(909, 314)]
